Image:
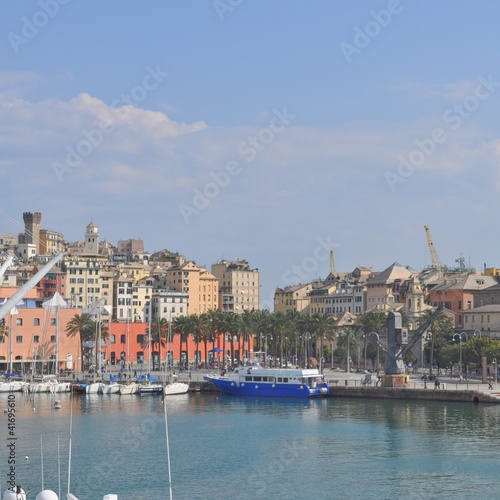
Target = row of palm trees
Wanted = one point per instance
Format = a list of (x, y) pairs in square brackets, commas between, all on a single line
[(277, 335)]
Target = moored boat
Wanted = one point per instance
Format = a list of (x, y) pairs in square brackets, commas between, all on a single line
[(131, 388), (13, 386), (175, 388), (254, 380)]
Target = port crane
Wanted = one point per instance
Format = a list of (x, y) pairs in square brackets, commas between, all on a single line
[(436, 263)]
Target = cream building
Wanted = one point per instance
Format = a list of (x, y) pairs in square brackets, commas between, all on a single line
[(238, 281)]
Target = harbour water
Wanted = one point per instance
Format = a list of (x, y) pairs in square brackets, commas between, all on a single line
[(227, 447)]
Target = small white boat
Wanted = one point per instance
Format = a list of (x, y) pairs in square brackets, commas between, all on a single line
[(111, 388), (95, 388), (13, 386), (175, 388), (128, 388), (36, 387), (57, 405)]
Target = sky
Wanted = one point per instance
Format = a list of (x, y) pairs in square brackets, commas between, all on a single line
[(271, 131)]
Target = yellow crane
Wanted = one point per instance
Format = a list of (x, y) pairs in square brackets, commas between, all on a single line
[(436, 263)]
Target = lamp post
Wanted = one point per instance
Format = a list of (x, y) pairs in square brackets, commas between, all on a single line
[(496, 370), (460, 340), (265, 347), (477, 333)]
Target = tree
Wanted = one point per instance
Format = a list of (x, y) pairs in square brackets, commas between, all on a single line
[(371, 321), (323, 327), (82, 326), (182, 326), (280, 325), (158, 334), (439, 330), (230, 325)]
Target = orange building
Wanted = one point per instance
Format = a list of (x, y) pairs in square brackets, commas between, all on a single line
[(32, 337), (130, 341)]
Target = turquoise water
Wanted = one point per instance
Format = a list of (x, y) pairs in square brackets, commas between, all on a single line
[(245, 448)]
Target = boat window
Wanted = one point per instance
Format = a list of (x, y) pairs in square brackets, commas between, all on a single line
[(285, 379), (248, 379), (257, 379)]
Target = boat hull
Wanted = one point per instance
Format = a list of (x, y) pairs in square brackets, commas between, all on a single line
[(150, 389), (264, 389), (175, 388)]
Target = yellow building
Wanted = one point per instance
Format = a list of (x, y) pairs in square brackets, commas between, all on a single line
[(292, 298)]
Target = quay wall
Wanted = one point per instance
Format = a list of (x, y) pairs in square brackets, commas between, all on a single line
[(444, 395), (468, 396)]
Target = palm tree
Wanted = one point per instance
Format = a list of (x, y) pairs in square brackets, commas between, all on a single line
[(371, 321), (199, 326), (158, 334), (302, 329), (247, 328), (82, 326), (323, 327), (214, 320), (280, 326), (439, 326), (230, 326), (183, 327)]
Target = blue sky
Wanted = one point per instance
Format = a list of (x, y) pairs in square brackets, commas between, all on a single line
[(264, 130)]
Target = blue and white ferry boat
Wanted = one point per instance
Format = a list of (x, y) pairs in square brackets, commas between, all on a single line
[(272, 382)]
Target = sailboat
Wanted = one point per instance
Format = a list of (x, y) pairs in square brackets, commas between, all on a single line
[(173, 387), (150, 384)]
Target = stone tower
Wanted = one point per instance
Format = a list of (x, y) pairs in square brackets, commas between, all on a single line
[(32, 228), (92, 239)]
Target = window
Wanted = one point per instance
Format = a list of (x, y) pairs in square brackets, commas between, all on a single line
[(52, 338), (19, 321), (36, 322), (140, 338), (123, 339), (36, 339), (52, 321), (112, 339), (19, 339)]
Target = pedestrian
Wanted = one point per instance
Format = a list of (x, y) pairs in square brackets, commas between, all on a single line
[(437, 384)]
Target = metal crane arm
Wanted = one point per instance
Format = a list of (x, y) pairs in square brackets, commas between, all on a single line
[(31, 283), (421, 330)]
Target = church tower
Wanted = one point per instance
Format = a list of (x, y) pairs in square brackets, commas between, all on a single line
[(91, 239), (415, 297)]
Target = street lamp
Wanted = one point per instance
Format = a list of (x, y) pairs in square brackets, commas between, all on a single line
[(265, 346), (478, 332), (496, 370), (460, 340)]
